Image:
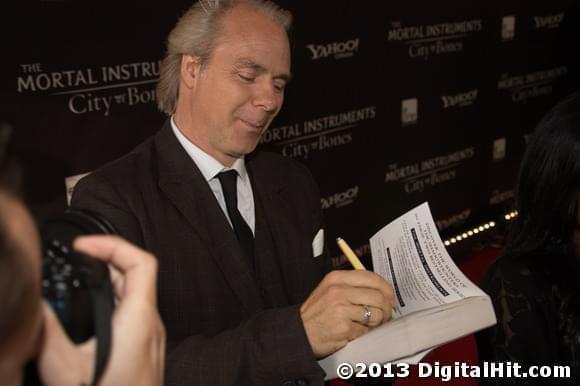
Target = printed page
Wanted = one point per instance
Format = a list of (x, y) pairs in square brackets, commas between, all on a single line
[(410, 255)]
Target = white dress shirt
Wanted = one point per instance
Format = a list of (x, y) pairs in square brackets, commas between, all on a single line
[(210, 168)]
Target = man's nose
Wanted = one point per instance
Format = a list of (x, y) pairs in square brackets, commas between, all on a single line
[(267, 98)]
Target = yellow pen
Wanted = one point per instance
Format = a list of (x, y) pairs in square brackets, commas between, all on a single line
[(350, 255)]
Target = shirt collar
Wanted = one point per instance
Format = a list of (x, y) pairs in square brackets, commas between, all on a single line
[(208, 166)]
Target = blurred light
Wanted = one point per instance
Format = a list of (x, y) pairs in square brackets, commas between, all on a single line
[(476, 230)]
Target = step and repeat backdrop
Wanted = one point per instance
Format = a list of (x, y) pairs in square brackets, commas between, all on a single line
[(392, 103)]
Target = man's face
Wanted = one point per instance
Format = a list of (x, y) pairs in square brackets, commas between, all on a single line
[(239, 91)]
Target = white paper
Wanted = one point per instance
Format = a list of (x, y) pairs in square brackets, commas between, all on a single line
[(409, 254)]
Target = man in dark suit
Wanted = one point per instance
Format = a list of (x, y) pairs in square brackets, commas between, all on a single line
[(238, 234)]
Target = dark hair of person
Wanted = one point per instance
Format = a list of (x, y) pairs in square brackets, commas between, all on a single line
[(548, 185), (16, 282)]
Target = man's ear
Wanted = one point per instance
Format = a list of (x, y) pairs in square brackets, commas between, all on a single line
[(190, 70)]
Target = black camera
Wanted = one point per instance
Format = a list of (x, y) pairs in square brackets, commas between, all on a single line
[(78, 287)]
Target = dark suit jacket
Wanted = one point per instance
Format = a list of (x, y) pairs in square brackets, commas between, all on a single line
[(226, 324)]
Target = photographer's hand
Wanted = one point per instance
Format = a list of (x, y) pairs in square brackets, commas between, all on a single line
[(138, 347), (60, 361)]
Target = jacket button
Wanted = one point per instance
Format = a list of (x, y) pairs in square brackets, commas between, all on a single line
[(302, 382), (289, 383)]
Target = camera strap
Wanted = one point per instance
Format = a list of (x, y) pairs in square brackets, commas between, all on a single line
[(102, 298)]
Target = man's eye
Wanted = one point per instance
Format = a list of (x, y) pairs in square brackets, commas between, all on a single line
[(246, 78), (279, 87)]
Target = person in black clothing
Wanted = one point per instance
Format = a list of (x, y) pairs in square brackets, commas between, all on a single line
[(535, 284)]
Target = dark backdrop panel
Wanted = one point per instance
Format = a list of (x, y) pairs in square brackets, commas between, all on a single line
[(391, 103)]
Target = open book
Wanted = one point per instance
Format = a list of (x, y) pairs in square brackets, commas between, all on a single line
[(436, 303)]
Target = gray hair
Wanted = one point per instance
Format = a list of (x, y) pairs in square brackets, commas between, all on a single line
[(195, 34)]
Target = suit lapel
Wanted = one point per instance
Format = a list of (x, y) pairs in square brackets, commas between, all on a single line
[(184, 185), (274, 198), (266, 256)]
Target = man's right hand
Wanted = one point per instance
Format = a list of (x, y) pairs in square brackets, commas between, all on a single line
[(334, 312)]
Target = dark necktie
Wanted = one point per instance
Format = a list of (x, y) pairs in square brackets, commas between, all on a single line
[(228, 180)]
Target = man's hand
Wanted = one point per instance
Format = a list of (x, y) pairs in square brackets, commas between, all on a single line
[(334, 313)]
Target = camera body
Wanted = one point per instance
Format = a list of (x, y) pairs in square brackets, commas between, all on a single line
[(78, 287)]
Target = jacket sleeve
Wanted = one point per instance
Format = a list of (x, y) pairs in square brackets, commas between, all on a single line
[(270, 348)]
